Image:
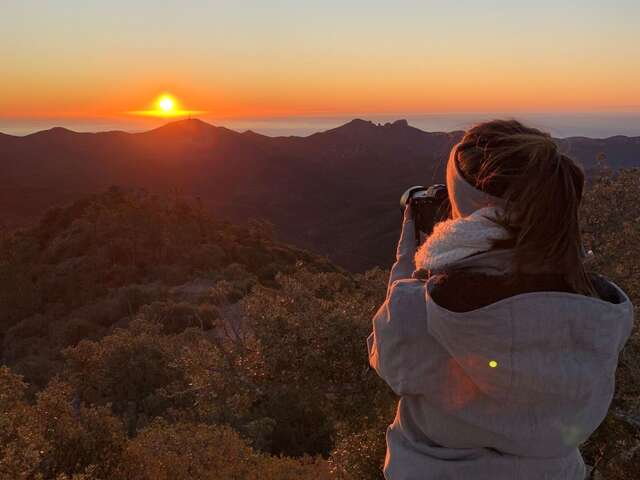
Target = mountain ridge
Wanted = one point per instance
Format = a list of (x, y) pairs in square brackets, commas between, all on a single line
[(355, 123), (333, 192)]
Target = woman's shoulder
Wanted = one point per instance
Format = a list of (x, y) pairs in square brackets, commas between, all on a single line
[(407, 290), (461, 290)]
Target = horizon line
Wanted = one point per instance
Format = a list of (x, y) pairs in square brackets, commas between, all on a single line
[(190, 119), (612, 109)]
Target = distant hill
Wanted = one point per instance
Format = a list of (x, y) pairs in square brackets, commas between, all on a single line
[(334, 192)]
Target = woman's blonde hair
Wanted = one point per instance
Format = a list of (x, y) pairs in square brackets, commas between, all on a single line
[(542, 189)]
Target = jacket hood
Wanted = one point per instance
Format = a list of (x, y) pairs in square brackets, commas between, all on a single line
[(542, 362), (530, 375)]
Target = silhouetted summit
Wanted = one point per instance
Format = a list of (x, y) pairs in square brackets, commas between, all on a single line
[(192, 127), (355, 125)]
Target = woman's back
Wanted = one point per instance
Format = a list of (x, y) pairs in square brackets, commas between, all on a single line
[(506, 389)]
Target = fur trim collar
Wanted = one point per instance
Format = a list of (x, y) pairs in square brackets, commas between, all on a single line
[(453, 240)]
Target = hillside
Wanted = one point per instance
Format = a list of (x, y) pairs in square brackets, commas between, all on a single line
[(132, 323), (333, 192), (98, 258), (143, 339)]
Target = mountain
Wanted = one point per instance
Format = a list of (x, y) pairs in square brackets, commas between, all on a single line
[(335, 192)]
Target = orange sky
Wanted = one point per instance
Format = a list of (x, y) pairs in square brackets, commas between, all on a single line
[(78, 60)]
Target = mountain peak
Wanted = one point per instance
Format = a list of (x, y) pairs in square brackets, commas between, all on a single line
[(402, 123), (359, 122), (60, 130), (54, 132), (192, 123), (357, 125), (190, 127)]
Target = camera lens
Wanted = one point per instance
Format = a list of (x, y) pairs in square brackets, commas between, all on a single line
[(410, 192)]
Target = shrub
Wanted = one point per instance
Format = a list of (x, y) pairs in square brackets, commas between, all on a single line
[(133, 370), (27, 337), (21, 446), (360, 455), (611, 220), (78, 437), (186, 451), (176, 317), (310, 335), (76, 329)]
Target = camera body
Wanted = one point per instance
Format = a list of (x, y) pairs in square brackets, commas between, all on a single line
[(429, 205)]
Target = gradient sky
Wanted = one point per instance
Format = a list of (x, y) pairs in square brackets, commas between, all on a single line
[(98, 58)]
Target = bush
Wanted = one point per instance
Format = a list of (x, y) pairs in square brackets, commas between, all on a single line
[(74, 330), (27, 337), (56, 435), (360, 455), (310, 333), (611, 221), (186, 451), (78, 437), (21, 445), (133, 370), (176, 317)]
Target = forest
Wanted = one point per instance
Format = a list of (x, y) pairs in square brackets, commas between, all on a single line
[(143, 339)]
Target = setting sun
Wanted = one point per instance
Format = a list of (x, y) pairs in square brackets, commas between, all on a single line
[(166, 105)]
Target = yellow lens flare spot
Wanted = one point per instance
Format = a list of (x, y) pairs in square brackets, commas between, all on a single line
[(493, 364), (166, 106)]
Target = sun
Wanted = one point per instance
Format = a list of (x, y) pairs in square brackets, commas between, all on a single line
[(166, 103), (166, 106)]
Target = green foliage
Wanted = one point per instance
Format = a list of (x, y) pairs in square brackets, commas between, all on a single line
[(54, 436), (183, 451), (165, 344), (611, 221), (133, 371), (310, 333), (101, 259), (360, 455), (78, 437), (26, 337), (176, 317), (21, 446), (186, 451)]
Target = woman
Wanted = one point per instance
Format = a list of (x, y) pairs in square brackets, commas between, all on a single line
[(501, 346)]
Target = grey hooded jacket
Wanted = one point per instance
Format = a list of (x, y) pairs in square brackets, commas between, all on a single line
[(506, 391)]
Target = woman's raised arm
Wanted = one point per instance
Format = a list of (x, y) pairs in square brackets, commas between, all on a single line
[(405, 253)]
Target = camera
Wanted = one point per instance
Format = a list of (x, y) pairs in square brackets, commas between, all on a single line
[(429, 205)]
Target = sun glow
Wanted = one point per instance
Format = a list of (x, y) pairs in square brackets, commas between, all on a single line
[(166, 105)]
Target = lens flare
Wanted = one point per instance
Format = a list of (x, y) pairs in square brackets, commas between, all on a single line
[(493, 364)]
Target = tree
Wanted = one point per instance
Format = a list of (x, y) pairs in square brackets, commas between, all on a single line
[(186, 451), (133, 370)]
